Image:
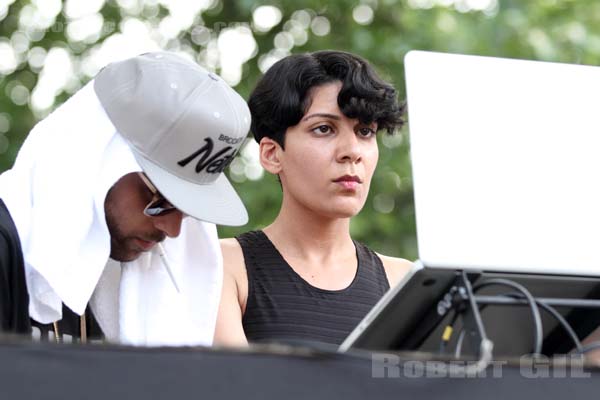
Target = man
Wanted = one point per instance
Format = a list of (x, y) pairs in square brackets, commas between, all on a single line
[(97, 200), (303, 278)]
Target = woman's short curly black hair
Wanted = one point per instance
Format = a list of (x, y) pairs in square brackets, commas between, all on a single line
[(281, 97)]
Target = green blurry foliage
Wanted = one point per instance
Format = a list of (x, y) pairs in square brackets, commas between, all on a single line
[(550, 30)]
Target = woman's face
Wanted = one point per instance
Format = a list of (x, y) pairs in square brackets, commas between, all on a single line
[(329, 159)]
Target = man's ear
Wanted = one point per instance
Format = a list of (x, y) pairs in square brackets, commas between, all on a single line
[(270, 155)]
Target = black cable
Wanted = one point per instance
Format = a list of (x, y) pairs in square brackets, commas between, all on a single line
[(486, 345), (552, 311), (447, 334), (459, 342), (535, 312), (474, 306), (477, 316)]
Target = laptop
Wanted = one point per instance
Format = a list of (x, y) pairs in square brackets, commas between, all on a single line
[(506, 172)]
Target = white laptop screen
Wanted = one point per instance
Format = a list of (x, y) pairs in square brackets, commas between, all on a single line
[(506, 163)]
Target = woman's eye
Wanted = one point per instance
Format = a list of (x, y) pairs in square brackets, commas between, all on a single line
[(322, 129), (366, 132)]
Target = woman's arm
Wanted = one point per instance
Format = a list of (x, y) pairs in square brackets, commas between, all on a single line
[(229, 330)]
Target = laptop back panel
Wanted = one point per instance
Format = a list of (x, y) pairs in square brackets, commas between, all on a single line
[(506, 163)]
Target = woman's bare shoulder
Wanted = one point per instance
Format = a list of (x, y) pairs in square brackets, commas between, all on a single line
[(395, 268), (233, 257)]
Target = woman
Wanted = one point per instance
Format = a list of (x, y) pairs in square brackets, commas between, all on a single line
[(303, 277)]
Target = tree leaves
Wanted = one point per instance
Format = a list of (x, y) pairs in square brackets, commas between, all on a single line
[(551, 30)]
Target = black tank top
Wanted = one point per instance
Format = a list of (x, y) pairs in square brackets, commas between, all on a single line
[(282, 306)]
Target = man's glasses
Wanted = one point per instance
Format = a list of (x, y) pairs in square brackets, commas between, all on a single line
[(158, 205)]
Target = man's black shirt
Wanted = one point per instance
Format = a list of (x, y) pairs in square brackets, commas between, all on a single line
[(14, 298)]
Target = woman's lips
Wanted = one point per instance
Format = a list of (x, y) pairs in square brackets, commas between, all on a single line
[(348, 182), (348, 185)]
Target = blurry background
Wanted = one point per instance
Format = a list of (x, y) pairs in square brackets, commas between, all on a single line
[(50, 48)]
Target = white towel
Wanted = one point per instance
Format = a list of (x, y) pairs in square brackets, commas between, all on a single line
[(153, 312), (55, 193), (150, 310)]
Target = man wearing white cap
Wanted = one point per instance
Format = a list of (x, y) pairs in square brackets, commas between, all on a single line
[(94, 209)]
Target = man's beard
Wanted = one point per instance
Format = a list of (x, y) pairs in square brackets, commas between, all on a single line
[(119, 240)]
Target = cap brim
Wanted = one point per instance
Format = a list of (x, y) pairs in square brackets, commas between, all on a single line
[(216, 202)]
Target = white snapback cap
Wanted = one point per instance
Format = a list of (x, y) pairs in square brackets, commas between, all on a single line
[(184, 126)]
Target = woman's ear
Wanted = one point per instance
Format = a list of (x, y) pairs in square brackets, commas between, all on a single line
[(270, 155)]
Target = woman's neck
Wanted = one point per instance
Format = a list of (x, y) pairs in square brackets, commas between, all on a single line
[(301, 233)]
